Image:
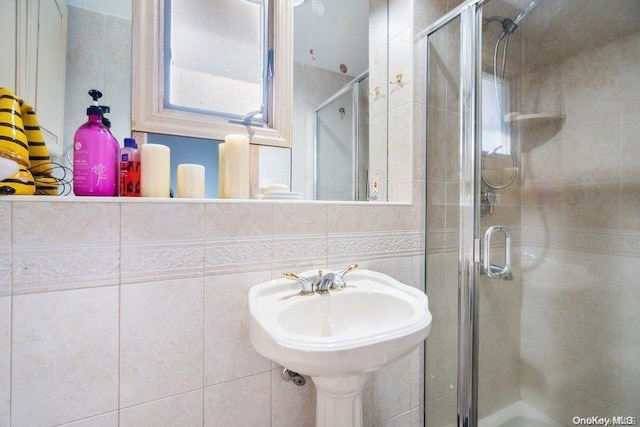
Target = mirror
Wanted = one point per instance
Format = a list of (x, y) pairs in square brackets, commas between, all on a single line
[(104, 61)]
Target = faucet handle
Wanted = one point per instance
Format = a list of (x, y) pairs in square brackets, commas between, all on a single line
[(338, 282), (307, 285), (347, 270)]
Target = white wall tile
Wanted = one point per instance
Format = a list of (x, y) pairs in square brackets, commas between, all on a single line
[(400, 16), (244, 401), (292, 405), (65, 356), (161, 346), (184, 410), (162, 241), (5, 251), (5, 360), (401, 62), (227, 349), (105, 420), (43, 231), (392, 390)]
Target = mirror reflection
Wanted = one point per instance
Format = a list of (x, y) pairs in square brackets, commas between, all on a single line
[(336, 46)]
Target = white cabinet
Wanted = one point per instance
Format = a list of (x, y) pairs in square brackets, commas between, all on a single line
[(34, 58)]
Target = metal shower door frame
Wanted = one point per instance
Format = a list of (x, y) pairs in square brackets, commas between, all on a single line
[(469, 244)]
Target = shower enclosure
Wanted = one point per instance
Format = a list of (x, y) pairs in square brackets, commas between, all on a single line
[(533, 213), (341, 142)]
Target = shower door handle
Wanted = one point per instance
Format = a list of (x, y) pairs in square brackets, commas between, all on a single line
[(487, 267)]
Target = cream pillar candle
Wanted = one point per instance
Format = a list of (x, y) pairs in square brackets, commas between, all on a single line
[(221, 161), (155, 170), (190, 181), (236, 168)]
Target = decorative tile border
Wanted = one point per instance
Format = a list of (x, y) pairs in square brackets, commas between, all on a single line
[(299, 250), (163, 260), (605, 242), (375, 245), (39, 268), (224, 256)]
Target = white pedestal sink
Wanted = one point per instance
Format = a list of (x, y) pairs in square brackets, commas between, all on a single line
[(338, 337)]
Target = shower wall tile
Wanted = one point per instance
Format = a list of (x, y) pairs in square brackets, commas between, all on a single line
[(162, 241), (5, 249), (507, 387), (487, 394), (591, 150), (595, 74), (161, 345), (630, 155), (5, 360), (54, 383), (629, 318), (43, 232), (185, 410), (228, 353)]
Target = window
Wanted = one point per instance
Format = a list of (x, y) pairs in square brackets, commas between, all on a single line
[(217, 51)]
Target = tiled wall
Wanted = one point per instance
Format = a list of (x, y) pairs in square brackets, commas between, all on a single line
[(135, 312)]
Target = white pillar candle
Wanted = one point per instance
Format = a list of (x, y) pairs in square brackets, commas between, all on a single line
[(155, 170), (236, 168), (221, 161), (190, 181)]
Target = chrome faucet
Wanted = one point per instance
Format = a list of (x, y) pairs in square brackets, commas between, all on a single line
[(307, 285), (333, 281), (326, 282)]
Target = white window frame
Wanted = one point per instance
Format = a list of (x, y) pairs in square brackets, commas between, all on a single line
[(148, 112)]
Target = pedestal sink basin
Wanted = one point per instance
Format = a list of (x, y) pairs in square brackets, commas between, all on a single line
[(339, 336)]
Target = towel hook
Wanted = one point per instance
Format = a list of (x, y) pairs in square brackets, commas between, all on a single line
[(398, 80)]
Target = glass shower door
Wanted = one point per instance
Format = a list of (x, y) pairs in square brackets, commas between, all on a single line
[(443, 264)]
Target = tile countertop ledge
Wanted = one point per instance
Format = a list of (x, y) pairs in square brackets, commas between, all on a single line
[(92, 199)]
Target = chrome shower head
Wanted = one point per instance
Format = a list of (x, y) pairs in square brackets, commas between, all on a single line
[(525, 12)]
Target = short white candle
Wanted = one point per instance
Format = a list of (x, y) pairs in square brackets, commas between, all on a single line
[(155, 170), (236, 169), (221, 161), (190, 181)]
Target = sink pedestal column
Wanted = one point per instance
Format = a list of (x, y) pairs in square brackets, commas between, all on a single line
[(339, 400)]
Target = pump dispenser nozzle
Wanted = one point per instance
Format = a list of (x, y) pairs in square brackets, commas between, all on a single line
[(94, 109)]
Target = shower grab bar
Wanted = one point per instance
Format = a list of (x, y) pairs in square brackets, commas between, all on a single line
[(489, 269)]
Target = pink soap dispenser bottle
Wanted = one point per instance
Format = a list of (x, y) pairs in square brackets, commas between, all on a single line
[(94, 155)]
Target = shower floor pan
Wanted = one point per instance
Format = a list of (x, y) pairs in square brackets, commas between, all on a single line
[(519, 414)]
